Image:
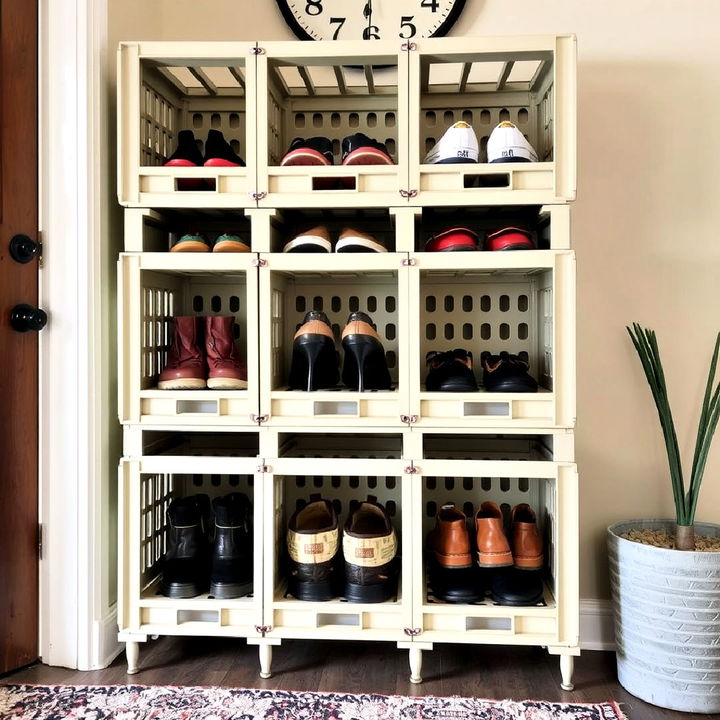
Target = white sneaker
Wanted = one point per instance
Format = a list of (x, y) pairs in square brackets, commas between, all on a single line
[(507, 144), (458, 145)]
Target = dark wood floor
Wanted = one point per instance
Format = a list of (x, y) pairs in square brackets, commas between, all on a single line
[(481, 671)]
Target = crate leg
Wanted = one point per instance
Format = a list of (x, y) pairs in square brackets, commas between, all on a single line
[(567, 664), (132, 653), (265, 652), (415, 665)]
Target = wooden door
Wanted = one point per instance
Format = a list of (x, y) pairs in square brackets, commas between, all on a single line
[(18, 350)]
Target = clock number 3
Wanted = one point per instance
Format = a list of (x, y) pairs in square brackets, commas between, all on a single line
[(313, 7)]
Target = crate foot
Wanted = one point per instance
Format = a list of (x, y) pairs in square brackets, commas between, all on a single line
[(567, 664), (265, 652), (415, 655), (132, 653)]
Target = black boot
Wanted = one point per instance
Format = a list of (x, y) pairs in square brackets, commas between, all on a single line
[(231, 572), (184, 570)]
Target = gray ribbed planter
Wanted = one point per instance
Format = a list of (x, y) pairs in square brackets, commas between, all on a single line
[(667, 619)]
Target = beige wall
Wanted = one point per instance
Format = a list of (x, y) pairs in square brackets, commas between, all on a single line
[(644, 226)]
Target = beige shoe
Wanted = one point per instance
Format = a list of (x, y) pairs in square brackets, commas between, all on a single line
[(351, 240), (314, 240)]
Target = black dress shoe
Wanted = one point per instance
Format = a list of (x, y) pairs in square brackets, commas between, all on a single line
[(359, 149), (219, 152), (309, 151), (365, 366), (507, 373), (450, 371), (314, 363)]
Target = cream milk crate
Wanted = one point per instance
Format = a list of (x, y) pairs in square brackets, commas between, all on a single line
[(390, 227), (334, 442), (548, 225), (153, 287), (332, 90), (495, 301), (166, 87), (290, 482), (551, 488), (529, 81), (157, 231), (147, 486), (338, 284)]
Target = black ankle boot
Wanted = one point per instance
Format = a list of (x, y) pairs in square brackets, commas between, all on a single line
[(231, 571), (184, 569)]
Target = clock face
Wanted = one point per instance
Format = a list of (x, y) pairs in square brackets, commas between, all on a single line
[(370, 19)]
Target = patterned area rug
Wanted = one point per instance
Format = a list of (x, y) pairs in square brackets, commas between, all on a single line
[(141, 702)]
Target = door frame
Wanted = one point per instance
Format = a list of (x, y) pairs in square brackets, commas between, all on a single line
[(78, 627)]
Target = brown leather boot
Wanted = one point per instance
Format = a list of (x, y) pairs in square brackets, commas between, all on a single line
[(527, 545), (226, 370), (449, 541), (492, 546), (185, 368)]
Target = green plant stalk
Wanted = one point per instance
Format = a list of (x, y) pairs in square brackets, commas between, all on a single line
[(645, 343), (647, 351)]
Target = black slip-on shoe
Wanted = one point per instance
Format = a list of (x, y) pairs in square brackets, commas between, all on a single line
[(450, 371), (507, 373), (219, 152)]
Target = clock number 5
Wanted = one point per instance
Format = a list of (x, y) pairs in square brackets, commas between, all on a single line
[(406, 25), (314, 7)]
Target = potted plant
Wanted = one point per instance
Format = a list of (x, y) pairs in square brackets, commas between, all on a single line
[(666, 595)]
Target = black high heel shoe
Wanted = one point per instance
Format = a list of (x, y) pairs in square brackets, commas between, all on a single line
[(314, 360), (365, 366)]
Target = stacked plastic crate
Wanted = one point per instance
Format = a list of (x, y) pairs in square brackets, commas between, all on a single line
[(411, 448)]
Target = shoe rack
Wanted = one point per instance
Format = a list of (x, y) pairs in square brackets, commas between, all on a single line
[(412, 449)]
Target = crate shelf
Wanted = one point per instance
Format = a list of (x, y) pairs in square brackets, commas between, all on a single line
[(529, 81), (153, 288), (321, 94), (338, 284), (489, 301), (411, 448), (164, 88)]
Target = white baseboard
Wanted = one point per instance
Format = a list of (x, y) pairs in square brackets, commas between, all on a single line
[(105, 647), (597, 631)]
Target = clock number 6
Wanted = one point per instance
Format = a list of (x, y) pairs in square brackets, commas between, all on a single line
[(406, 24), (371, 33), (313, 7)]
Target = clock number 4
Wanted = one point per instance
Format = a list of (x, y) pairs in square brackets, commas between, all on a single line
[(432, 4)]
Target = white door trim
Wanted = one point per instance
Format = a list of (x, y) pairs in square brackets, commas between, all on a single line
[(73, 190)]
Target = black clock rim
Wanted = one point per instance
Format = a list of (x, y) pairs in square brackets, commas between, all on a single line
[(302, 34)]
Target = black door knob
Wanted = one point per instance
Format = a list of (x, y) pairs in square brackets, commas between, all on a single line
[(23, 248), (26, 317)]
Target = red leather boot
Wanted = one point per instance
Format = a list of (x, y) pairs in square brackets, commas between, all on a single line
[(226, 370), (185, 368)]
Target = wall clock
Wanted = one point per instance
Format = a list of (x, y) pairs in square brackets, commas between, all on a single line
[(371, 19)]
